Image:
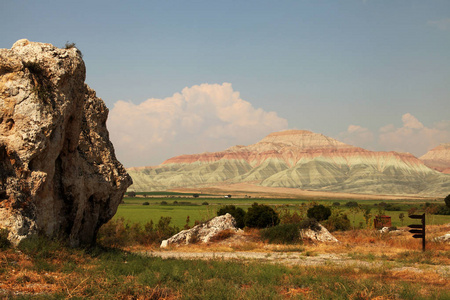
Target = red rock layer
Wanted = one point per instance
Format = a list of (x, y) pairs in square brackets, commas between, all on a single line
[(438, 158)]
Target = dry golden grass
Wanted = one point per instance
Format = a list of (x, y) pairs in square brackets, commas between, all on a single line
[(363, 242), (22, 274)]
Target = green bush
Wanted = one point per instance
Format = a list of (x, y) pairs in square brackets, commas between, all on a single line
[(310, 224), (319, 212), (205, 203), (443, 210), (336, 204), (447, 201), (237, 213), (351, 204), (391, 207), (338, 222), (288, 233), (282, 234), (261, 216), (145, 203)]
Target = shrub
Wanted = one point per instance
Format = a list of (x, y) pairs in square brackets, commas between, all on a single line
[(338, 222), (443, 210), (288, 217), (336, 204), (319, 212), (447, 201), (282, 234), (205, 203), (288, 233), (72, 45), (69, 45), (131, 194), (261, 216), (163, 202), (390, 207), (351, 204), (310, 224), (237, 213), (145, 203)]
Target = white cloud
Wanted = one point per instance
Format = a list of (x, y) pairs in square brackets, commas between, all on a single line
[(443, 24), (357, 136), (413, 136), (206, 117)]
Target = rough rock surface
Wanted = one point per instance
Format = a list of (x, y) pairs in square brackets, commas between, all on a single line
[(58, 171), (438, 158), (322, 235), (202, 232), (298, 159)]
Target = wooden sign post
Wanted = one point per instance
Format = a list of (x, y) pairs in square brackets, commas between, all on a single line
[(418, 229)]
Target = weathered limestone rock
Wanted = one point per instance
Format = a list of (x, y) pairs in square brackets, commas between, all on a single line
[(322, 235), (443, 239), (58, 172), (203, 232)]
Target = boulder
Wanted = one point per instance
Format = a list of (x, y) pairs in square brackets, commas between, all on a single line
[(58, 172), (202, 232), (321, 235), (443, 239)]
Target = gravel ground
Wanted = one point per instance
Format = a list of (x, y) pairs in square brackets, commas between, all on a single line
[(299, 259)]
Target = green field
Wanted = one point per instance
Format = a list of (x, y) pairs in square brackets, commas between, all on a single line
[(180, 206)]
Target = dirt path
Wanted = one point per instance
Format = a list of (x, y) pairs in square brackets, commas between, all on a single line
[(299, 259)]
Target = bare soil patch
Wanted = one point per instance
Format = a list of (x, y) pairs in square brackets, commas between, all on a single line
[(249, 189)]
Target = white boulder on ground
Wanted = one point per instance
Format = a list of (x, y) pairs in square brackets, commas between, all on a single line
[(202, 232), (443, 239), (322, 235)]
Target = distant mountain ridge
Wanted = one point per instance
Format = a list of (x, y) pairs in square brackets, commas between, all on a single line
[(438, 158), (298, 159)]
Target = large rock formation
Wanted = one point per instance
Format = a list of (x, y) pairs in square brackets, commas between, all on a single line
[(203, 232), (298, 159), (58, 171), (438, 158)]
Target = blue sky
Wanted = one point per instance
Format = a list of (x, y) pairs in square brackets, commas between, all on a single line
[(372, 73)]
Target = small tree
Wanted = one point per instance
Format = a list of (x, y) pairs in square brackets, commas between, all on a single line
[(131, 194), (319, 212), (401, 216), (367, 216), (447, 201), (261, 216), (186, 226)]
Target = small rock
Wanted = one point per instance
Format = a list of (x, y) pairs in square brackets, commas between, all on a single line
[(322, 235), (443, 239)]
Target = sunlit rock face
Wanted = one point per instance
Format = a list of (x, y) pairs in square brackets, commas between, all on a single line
[(298, 159), (58, 171), (438, 158)]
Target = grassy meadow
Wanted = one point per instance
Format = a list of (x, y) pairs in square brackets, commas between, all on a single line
[(179, 206), (369, 265)]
